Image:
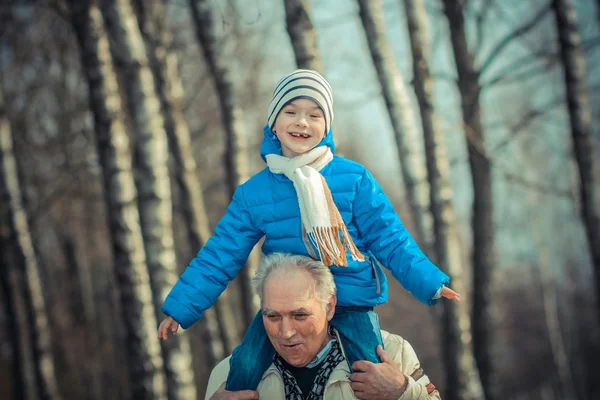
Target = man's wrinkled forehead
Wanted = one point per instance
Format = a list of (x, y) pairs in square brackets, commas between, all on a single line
[(286, 290)]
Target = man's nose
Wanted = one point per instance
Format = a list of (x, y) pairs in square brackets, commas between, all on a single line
[(287, 329)]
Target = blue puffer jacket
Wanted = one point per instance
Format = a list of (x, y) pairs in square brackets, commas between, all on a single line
[(266, 205)]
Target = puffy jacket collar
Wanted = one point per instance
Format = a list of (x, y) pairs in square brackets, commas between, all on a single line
[(272, 145)]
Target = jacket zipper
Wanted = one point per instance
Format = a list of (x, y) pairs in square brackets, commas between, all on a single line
[(372, 261)]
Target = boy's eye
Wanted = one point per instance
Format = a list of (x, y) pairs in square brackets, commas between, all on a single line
[(290, 112), (315, 116)]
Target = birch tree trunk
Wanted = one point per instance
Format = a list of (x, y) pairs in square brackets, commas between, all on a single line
[(304, 40), (550, 302), (302, 35), (236, 162), (484, 259), (146, 369), (462, 377), (20, 266), (152, 183), (397, 100), (13, 299), (581, 128), (13, 277), (152, 20)]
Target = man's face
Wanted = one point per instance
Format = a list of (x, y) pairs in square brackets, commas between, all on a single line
[(300, 126), (294, 319)]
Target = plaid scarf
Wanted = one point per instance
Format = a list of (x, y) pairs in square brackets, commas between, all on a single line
[(292, 390), (320, 217)]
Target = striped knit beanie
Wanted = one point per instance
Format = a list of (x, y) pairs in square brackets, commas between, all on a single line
[(302, 83)]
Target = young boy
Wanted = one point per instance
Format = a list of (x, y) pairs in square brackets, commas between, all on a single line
[(309, 202)]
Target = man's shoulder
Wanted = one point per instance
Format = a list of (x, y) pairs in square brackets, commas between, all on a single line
[(391, 338), (217, 377), (401, 351), (393, 343)]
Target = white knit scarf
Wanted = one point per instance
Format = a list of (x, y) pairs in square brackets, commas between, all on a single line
[(320, 216)]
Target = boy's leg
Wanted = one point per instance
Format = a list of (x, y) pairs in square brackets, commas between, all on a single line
[(359, 332), (251, 358)]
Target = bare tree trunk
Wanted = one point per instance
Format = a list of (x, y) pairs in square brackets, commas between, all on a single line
[(581, 128), (20, 266), (236, 163), (462, 376), (396, 95), (550, 302), (153, 25), (13, 282), (482, 215), (146, 371), (304, 39), (17, 328), (152, 182), (302, 35)]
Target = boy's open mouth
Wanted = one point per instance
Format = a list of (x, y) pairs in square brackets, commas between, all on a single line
[(299, 135)]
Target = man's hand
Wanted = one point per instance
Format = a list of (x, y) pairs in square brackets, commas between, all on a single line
[(223, 394), (164, 327), (378, 381), (450, 294)]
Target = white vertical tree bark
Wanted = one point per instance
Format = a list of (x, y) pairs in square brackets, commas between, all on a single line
[(302, 35), (456, 343), (152, 20), (484, 258), (146, 368), (550, 303), (581, 127), (152, 182), (20, 268), (236, 152), (397, 100)]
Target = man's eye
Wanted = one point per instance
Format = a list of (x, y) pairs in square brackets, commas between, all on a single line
[(273, 317), (301, 316)]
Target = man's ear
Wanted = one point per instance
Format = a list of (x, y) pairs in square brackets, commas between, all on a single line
[(331, 307)]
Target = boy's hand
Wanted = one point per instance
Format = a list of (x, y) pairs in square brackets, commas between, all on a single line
[(450, 294), (164, 327)]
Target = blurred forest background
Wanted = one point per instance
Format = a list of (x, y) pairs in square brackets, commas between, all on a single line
[(125, 126)]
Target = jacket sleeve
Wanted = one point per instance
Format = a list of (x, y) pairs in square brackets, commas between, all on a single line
[(217, 263), (390, 242), (419, 387)]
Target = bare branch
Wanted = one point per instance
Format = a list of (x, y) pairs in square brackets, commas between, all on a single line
[(511, 36), (521, 76), (526, 120), (519, 63), (590, 44), (480, 17)]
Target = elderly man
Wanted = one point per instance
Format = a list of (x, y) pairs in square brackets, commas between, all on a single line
[(298, 301)]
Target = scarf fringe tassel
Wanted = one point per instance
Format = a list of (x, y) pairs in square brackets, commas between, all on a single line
[(332, 242)]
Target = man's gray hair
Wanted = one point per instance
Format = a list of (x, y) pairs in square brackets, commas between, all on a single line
[(324, 284)]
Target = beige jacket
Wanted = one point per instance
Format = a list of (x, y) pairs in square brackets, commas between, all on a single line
[(338, 385)]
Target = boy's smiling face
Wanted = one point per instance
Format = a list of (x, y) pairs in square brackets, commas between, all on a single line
[(300, 126)]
